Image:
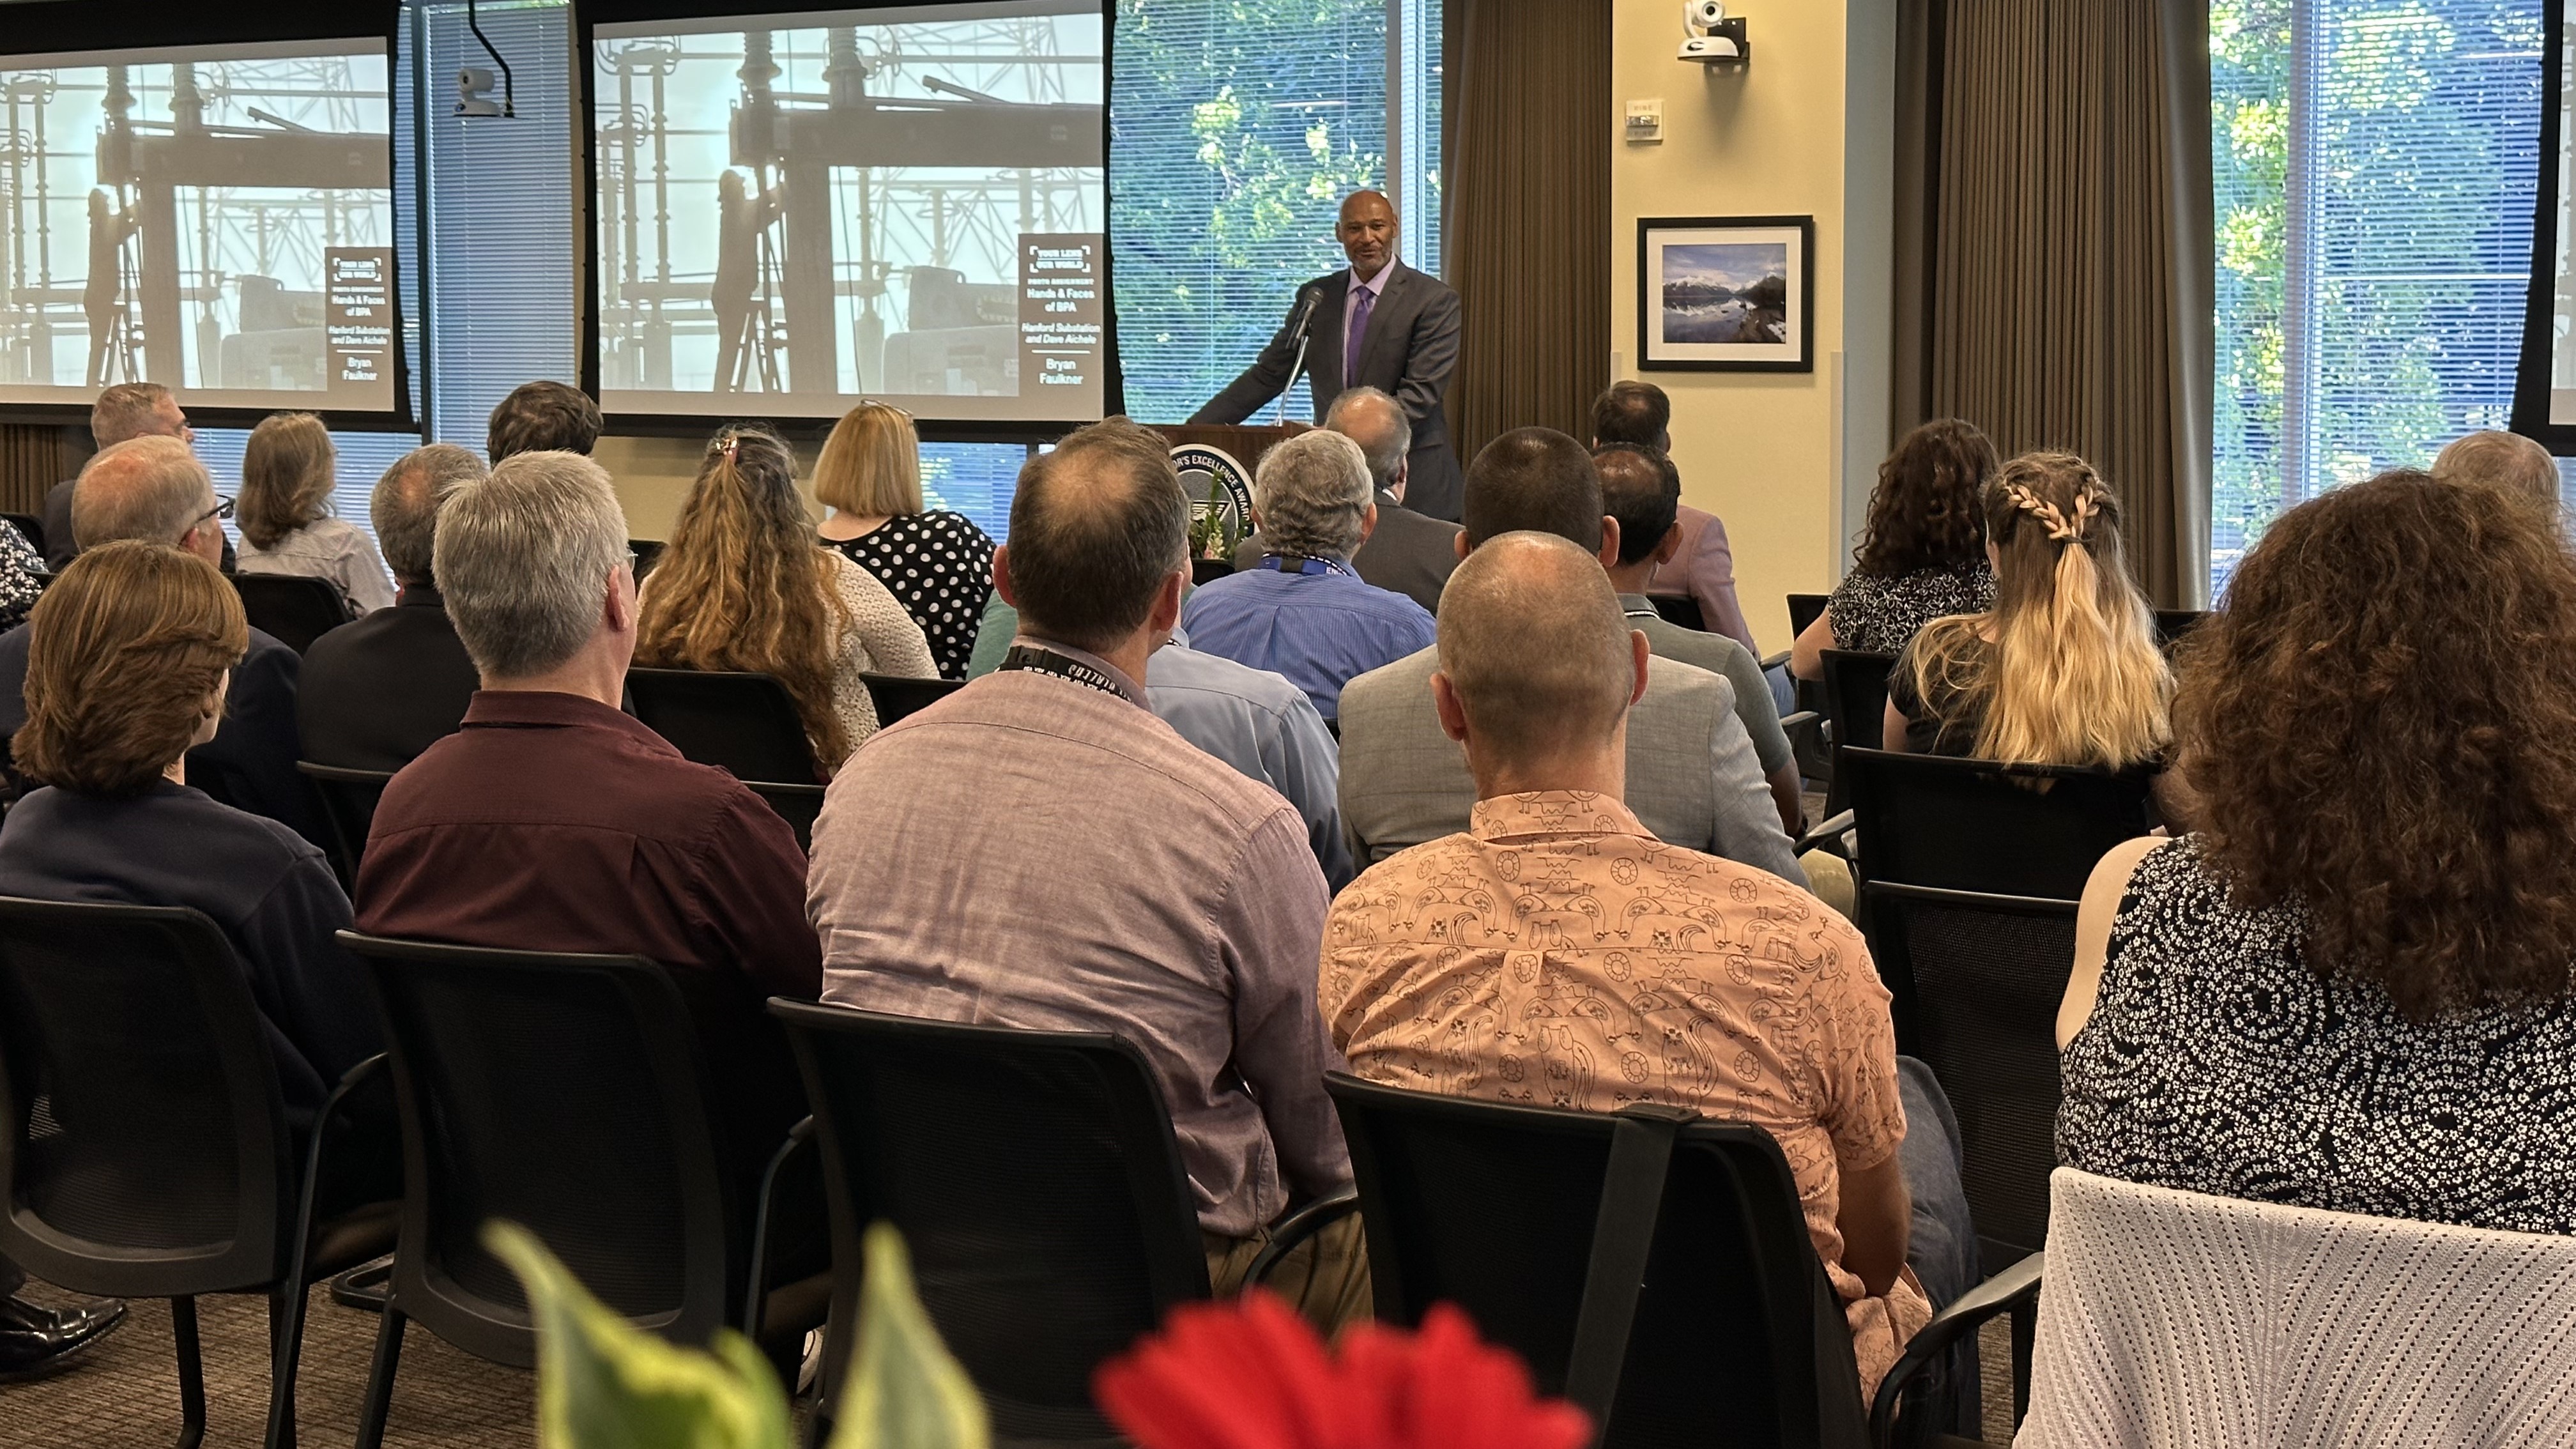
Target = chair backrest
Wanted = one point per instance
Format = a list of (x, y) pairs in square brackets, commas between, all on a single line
[(295, 609), (2173, 1317), (1970, 873), (1034, 1176), (143, 1140), (349, 802), (648, 552), (1493, 1207), (744, 724), (895, 696), (1681, 609), (1855, 709), (1804, 609), (566, 1093), (2173, 624), (1205, 571)]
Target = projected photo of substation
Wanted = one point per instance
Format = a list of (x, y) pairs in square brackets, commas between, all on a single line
[(220, 223), (850, 204)]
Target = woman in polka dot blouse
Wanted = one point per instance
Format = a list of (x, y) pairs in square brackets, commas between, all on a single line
[(937, 564)]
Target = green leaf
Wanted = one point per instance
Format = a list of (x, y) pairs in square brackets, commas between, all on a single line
[(604, 1384), (903, 1390)]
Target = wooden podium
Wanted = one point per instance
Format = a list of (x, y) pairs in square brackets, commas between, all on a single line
[(1244, 442)]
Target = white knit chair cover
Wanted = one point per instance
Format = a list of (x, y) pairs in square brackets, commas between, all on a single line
[(2175, 1318)]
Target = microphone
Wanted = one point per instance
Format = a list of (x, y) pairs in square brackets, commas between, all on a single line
[(1308, 298)]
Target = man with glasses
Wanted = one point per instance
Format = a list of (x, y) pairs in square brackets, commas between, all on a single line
[(154, 489), (126, 411)]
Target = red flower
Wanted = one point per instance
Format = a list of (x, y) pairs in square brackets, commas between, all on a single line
[(1251, 1374)]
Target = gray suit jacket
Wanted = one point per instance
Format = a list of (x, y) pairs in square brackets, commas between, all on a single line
[(1409, 554), (1409, 351), (1692, 777)]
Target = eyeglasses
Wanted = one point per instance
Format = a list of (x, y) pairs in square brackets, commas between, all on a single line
[(223, 509)]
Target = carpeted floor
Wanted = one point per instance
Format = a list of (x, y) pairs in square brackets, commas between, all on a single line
[(125, 1391)]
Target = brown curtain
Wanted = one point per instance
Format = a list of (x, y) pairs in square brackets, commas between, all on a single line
[(2054, 258), (1526, 222), (33, 458)]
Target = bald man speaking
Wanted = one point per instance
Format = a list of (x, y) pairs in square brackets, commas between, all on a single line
[(1377, 323)]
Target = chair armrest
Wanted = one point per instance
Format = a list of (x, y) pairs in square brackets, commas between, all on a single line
[(2013, 1289), (1300, 1225), (755, 1298), (352, 1082), (1801, 719), (1775, 661), (1824, 836)]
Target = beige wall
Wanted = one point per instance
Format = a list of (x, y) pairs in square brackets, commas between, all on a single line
[(1763, 451), (653, 475)]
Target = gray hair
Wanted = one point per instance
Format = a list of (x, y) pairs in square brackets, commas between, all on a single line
[(1375, 421), (404, 506), (523, 558), (1313, 494), (152, 489)]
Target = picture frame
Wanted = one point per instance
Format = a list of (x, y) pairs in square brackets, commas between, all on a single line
[(1726, 294)]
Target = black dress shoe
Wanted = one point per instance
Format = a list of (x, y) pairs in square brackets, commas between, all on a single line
[(35, 1341)]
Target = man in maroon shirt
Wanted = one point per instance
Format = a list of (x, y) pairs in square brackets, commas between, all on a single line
[(553, 822)]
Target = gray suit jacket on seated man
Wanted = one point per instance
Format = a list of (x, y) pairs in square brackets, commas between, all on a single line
[(1407, 346)]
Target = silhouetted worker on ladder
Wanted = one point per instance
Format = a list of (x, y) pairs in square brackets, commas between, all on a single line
[(111, 345), (740, 238)]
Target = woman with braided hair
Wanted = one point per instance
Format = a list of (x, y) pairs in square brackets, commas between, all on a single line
[(2064, 669)]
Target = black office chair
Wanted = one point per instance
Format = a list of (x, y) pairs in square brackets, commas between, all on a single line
[(1805, 609), (648, 552), (568, 1094), (1651, 1266), (349, 802), (30, 527), (1855, 711), (146, 1151), (2174, 625), (1971, 872), (294, 609), (1205, 571), (896, 696), (744, 724), (1680, 609), (1034, 1176)]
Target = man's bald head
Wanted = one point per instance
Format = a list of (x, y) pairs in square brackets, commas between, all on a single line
[(1535, 649), (152, 489), (2505, 460), (1533, 479), (1096, 526)]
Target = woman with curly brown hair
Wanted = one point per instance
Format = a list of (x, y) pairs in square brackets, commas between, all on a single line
[(2352, 988), (744, 586), (1923, 554)]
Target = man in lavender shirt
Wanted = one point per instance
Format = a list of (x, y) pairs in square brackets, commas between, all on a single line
[(1038, 850)]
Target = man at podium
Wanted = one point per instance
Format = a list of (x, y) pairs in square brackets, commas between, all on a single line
[(1377, 323)]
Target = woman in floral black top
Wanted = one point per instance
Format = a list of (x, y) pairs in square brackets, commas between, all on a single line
[(1923, 555), (937, 564)]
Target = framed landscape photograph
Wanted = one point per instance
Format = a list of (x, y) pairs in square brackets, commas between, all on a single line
[(1726, 293)]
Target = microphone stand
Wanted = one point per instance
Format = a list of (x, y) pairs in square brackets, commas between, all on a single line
[(1305, 338)]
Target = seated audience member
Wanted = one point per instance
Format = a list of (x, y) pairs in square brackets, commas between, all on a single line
[(2508, 460), (1702, 565), (1773, 1014), (126, 410), (2064, 669), (1302, 611), (2351, 988), (1265, 727), (286, 521), (1693, 776), (1922, 554), (1641, 489), (1408, 553), (1039, 851), (542, 417), (553, 822), (742, 586), (155, 490), (937, 564), (379, 691), (20, 585)]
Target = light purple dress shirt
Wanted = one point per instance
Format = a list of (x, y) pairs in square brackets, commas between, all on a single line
[(1033, 852)]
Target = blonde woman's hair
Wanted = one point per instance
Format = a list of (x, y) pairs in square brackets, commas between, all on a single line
[(871, 465), (2074, 676), (741, 584), (286, 477)]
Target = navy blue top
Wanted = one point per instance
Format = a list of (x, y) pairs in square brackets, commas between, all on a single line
[(1320, 628), (261, 884)]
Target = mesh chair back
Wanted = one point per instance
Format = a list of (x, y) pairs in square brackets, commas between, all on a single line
[(349, 802), (1972, 872), (1681, 609), (143, 1142), (1805, 609), (896, 697), (1492, 1207), (743, 724), (1856, 708), (567, 1094), (1034, 1176), (295, 609)]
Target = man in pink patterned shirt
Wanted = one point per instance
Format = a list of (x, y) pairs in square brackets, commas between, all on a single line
[(1558, 954)]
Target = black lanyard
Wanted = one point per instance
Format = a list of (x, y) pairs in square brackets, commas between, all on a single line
[(1047, 661)]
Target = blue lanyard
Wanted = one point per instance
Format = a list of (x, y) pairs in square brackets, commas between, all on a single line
[(1280, 562)]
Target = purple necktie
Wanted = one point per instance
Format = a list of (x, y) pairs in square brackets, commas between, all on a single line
[(1361, 300)]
